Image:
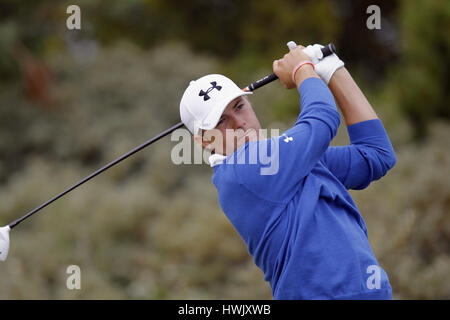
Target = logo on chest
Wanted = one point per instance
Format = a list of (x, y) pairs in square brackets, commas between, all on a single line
[(287, 139)]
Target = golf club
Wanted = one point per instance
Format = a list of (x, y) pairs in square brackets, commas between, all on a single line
[(4, 231), (326, 51)]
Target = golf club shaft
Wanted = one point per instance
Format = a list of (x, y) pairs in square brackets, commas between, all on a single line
[(92, 175), (326, 51)]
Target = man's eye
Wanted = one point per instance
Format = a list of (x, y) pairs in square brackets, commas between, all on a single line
[(239, 107)]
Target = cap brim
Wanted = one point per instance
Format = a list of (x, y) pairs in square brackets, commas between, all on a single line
[(213, 117)]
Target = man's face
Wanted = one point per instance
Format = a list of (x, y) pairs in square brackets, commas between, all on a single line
[(237, 125)]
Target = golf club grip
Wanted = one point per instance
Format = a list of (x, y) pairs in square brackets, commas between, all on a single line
[(326, 51)]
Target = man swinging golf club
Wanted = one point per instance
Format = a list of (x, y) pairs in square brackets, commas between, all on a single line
[(300, 224), (232, 90)]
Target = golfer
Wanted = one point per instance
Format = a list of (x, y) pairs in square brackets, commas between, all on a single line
[(299, 222)]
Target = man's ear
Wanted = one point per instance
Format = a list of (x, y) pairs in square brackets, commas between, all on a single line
[(201, 140), (198, 139)]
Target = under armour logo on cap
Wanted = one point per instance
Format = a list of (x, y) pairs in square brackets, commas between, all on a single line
[(205, 94)]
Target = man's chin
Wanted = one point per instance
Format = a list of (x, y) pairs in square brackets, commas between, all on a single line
[(249, 135)]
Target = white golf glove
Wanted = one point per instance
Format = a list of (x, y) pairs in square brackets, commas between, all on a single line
[(326, 67)]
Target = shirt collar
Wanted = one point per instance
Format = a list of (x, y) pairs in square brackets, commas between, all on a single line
[(216, 159)]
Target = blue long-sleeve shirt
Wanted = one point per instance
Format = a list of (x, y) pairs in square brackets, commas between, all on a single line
[(299, 222)]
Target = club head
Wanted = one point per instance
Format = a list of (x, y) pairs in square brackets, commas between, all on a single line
[(4, 242)]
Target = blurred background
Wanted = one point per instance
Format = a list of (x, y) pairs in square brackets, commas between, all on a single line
[(73, 100)]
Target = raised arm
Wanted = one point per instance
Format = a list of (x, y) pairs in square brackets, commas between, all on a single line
[(370, 153), (350, 99), (300, 148)]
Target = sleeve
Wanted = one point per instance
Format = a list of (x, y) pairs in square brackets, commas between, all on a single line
[(297, 151), (368, 157)]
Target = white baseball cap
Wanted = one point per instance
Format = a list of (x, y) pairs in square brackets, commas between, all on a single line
[(205, 99)]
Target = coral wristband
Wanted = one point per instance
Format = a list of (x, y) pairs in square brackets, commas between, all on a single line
[(298, 66)]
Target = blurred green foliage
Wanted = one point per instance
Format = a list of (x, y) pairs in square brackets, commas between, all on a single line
[(423, 74), (70, 101), (410, 54)]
